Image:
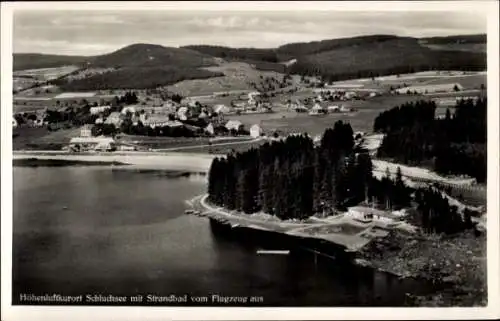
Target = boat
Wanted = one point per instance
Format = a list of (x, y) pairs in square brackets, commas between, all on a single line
[(278, 252)]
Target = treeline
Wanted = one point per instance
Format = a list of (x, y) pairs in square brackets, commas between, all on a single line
[(384, 57), (453, 145), (480, 38), (308, 48), (137, 78), (292, 179), (436, 215), (255, 54), (439, 60)]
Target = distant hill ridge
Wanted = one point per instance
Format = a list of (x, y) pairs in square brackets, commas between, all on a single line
[(334, 59), (136, 55)]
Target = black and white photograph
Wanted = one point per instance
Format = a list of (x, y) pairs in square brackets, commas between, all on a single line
[(250, 155)]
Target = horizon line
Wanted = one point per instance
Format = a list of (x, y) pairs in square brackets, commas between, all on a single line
[(249, 47)]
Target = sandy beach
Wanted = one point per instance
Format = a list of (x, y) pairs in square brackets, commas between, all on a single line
[(135, 160)]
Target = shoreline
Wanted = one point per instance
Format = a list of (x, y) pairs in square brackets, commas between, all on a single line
[(456, 260), (188, 162), (202, 162)]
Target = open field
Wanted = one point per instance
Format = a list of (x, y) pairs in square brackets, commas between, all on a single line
[(292, 122), (468, 81), (237, 76), (45, 73), (42, 138)]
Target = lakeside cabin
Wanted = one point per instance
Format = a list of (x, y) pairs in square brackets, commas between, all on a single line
[(365, 214)]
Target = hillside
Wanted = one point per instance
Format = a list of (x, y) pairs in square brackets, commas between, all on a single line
[(146, 65), (135, 66), (478, 39), (136, 55), (134, 78), (382, 57), (472, 43), (363, 56), (299, 49), (146, 55), (24, 61), (268, 55)]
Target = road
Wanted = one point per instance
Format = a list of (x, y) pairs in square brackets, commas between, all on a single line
[(208, 145)]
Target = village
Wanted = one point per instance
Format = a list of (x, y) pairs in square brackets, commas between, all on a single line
[(96, 121)]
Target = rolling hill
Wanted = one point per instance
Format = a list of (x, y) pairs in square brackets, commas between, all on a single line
[(384, 57), (472, 43), (146, 55), (364, 56), (480, 38), (24, 61), (146, 65), (135, 66)]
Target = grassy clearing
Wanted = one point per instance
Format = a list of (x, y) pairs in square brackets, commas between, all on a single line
[(292, 122), (42, 138), (237, 76), (468, 82)]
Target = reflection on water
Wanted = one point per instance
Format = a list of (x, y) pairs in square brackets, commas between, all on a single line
[(84, 230)]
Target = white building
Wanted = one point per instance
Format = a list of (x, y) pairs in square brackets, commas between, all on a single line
[(221, 109), (86, 131), (98, 109), (100, 143), (130, 109), (255, 131), (345, 109), (234, 124), (333, 109), (210, 129), (182, 113), (316, 110), (114, 118)]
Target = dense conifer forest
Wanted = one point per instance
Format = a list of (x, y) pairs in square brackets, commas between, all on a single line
[(293, 179), (453, 145)]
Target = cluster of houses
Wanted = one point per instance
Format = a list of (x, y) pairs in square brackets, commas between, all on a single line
[(318, 108), (34, 119)]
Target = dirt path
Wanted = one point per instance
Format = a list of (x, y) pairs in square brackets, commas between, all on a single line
[(207, 145)]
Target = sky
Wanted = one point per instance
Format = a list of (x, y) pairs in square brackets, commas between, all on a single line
[(98, 32)]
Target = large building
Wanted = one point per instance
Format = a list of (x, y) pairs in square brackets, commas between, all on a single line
[(99, 109), (92, 143)]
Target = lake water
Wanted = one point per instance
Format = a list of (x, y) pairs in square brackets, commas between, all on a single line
[(92, 230)]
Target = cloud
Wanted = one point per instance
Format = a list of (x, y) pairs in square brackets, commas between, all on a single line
[(92, 32)]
